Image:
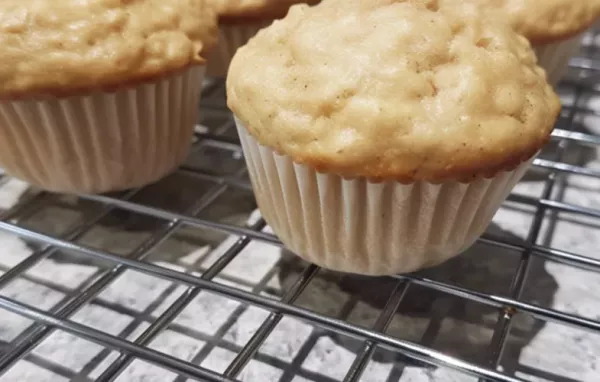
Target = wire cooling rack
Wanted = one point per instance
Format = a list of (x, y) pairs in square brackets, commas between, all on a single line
[(203, 266)]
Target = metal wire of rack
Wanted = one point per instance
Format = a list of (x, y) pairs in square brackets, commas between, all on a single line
[(129, 346)]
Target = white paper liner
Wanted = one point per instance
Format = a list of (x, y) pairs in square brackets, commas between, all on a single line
[(555, 57), (231, 37), (103, 141), (353, 225)]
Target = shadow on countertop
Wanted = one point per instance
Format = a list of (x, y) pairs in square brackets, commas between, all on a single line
[(121, 231), (448, 324)]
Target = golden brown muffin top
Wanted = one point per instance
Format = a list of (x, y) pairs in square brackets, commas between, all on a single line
[(407, 89), (253, 9), (544, 21), (66, 46)]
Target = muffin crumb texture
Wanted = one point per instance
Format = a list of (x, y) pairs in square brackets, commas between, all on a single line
[(63, 46), (412, 90)]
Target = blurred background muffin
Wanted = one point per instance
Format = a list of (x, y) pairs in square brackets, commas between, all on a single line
[(100, 95), (554, 27), (239, 20)]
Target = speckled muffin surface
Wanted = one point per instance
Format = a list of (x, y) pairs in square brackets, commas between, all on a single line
[(64, 46), (544, 21), (408, 90)]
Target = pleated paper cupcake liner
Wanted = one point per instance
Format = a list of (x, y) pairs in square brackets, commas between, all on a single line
[(356, 226), (102, 141), (231, 37), (555, 57)]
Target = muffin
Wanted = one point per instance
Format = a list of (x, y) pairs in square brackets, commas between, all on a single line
[(239, 20), (381, 137), (100, 95), (554, 27)]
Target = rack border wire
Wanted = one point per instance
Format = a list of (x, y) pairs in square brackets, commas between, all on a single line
[(60, 316)]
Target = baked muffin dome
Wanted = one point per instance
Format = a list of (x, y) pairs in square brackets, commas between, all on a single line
[(408, 89), (58, 47)]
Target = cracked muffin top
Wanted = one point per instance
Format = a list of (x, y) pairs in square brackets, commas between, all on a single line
[(544, 21), (64, 46), (408, 89)]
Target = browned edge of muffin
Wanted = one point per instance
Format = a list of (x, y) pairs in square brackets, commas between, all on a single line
[(42, 94), (259, 14), (539, 39), (463, 171)]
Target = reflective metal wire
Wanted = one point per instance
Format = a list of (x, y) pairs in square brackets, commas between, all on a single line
[(509, 305)]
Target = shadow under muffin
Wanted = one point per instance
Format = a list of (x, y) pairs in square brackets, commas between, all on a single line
[(446, 323)]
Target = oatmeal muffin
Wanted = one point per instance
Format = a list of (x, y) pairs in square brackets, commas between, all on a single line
[(382, 137), (554, 27), (100, 95), (239, 20)]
